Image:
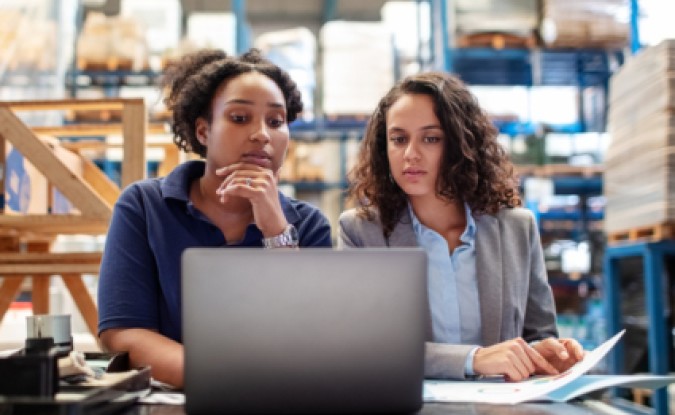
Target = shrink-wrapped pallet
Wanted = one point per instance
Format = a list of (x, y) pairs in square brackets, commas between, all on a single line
[(358, 66), (517, 17), (112, 43), (585, 23), (639, 180)]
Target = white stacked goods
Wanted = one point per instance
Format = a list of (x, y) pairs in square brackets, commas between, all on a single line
[(409, 24), (116, 43), (358, 66), (210, 30), (516, 17), (640, 162), (295, 51), (585, 23), (162, 20)]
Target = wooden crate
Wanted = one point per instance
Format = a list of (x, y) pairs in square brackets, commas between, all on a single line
[(90, 191)]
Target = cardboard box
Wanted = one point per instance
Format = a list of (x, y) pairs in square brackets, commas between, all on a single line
[(27, 191)]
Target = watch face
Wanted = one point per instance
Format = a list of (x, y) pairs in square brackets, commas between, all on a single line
[(293, 233)]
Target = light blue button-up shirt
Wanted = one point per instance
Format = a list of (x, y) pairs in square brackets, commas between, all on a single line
[(452, 285)]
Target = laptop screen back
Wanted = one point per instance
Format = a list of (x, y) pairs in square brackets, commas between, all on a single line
[(304, 331)]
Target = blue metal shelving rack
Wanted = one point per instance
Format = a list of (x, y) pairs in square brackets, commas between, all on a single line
[(653, 255)]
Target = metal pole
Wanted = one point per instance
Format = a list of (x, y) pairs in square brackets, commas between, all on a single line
[(241, 29), (634, 29), (439, 26)]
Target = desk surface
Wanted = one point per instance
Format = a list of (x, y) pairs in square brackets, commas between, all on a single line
[(589, 407)]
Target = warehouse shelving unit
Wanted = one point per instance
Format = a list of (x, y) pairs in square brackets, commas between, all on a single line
[(654, 255)]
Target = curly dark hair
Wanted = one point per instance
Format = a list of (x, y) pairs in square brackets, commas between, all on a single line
[(194, 79), (475, 167)]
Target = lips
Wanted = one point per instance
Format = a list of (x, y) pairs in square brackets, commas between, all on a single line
[(414, 172), (260, 158)]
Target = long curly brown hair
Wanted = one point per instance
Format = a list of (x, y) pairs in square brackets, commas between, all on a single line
[(475, 168), (194, 79)]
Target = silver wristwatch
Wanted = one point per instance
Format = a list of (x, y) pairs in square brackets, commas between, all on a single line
[(286, 239)]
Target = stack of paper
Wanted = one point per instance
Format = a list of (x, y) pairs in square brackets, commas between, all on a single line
[(558, 388)]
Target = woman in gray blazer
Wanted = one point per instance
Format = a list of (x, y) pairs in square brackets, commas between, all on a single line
[(431, 173)]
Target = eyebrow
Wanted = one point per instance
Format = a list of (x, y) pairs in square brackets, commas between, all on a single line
[(249, 102), (426, 127)]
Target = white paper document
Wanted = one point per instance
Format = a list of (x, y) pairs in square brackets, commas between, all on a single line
[(559, 388)]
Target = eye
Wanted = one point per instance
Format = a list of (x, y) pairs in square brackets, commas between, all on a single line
[(398, 139), (432, 139), (276, 122), (238, 118)]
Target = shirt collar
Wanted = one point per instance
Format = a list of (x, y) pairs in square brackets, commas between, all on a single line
[(468, 236), (176, 185)]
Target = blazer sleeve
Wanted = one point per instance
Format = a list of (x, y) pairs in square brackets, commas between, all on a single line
[(540, 314), (446, 361), (348, 236)]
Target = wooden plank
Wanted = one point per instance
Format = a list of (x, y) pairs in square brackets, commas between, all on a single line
[(53, 224), (548, 170), (47, 269), (171, 160), (86, 130), (135, 125), (99, 181), (652, 233), (78, 192), (78, 146), (65, 104), (8, 292), (40, 294), (3, 171), (83, 300), (50, 257)]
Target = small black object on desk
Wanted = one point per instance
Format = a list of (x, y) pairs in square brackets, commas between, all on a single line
[(32, 371)]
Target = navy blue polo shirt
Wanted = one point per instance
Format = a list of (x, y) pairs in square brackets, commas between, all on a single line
[(153, 222)]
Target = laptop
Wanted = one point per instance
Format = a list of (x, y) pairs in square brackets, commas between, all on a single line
[(314, 330)]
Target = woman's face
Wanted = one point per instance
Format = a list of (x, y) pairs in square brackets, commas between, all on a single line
[(414, 144), (248, 123)]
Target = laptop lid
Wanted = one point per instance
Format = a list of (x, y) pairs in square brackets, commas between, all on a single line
[(304, 331)]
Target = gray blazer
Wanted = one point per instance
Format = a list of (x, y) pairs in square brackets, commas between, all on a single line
[(515, 298)]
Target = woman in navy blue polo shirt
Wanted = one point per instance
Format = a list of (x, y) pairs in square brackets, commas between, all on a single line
[(234, 113)]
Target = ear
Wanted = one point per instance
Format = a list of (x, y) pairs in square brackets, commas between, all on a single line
[(202, 130)]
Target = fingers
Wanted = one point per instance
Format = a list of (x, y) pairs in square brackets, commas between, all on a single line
[(553, 347), (543, 365), (514, 359), (561, 353), (245, 183), (574, 349)]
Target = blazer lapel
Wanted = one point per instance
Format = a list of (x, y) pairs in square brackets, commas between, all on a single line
[(489, 276), (403, 234)]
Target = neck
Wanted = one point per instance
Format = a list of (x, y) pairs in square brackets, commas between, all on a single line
[(439, 214)]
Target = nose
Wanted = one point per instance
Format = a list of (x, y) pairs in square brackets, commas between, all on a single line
[(260, 133), (411, 151)]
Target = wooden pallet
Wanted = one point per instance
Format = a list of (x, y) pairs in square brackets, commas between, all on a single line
[(112, 63), (496, 40), (548, 170), (651, 233)]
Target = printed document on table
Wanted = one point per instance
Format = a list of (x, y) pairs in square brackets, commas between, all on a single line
[(561, 387)]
